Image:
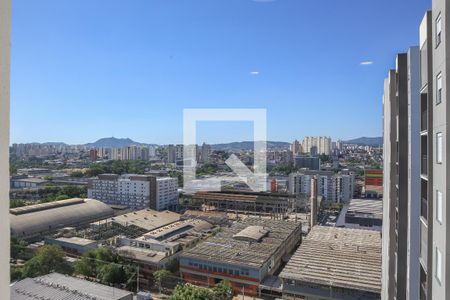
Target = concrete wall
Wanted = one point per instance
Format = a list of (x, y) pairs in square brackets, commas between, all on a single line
[(5, 27), (414, 122), (441, 61), (389, 158)]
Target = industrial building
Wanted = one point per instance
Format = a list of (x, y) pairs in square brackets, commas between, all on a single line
[(276, 204), (73, 245), (373, 183), (131, 224), (34, 221), (335, 263), (245, 254), (135, 191), (362, 214), (56, 286), (160, 248)]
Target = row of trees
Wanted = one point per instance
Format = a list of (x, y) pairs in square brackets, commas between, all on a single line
[(47, 259), (101, 264), (49, 194), (106, 266), (118, 167), (222, 291)]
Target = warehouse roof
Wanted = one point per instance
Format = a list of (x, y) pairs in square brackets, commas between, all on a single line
[(147, 219), (33, 220), (338, 257), (224, 248), (56, 286), (368, 208), (142, 254), (178, 227), (251, 234)]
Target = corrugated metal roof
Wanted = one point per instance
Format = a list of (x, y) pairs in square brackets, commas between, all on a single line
[(338, 257), (36, 219), (56, 286)]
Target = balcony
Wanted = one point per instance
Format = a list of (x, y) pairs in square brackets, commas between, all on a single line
[(424, 121), (424, 165), (424, 208), (423, 284)]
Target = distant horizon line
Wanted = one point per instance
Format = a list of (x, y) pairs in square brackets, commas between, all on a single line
[(165, 144)]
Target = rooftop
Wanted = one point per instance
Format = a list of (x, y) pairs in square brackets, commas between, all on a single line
[(367, 207), (31, 179), (225, 248), (338, 257), (76, 241), (147, 219), (56, 286), (35, 219), (177, 227), (141, 254)]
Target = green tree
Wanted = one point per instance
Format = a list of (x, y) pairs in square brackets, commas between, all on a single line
[(17, 203), (191, 292), (161, 276), (223, 291), (18, 248), (87, 264), (111, 273), (49, 258), (77, 174), (15, 274)]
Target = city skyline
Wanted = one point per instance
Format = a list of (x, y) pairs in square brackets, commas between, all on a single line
[(136, 67)]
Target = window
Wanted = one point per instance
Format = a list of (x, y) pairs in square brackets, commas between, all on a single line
[(439, 206), (439, 88), (438, 30), (439, 147), (438, 273)]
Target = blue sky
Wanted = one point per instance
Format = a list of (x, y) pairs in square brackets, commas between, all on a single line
[(85, 69)]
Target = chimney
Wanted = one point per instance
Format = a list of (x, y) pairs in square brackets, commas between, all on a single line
[(313, 201)]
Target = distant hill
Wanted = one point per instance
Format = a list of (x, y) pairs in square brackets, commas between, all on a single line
[(366, 141), (113, 142), (248, 145)]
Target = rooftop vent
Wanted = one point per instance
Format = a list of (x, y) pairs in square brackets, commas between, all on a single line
[(251, 234)]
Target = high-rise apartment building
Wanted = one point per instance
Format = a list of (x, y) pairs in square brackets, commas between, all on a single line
[(296, 148), (175, 153), (401, 168), (205, 153), (135, 191), (427, 135), (133, 152), (322, 144), (337, 188)]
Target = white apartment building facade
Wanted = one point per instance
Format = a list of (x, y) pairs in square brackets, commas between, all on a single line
[(335, 188), (322, 144), (133, 152), (431, 279), (135, 191)]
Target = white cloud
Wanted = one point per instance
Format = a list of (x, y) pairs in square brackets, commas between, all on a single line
[(254, 72), (366, 63)]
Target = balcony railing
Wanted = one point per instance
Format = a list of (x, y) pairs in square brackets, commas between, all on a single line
[(424, 165), (423, 291), (424, 121), (424, 208)]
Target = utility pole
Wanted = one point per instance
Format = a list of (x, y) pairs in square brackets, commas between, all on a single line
[(137, 279)]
